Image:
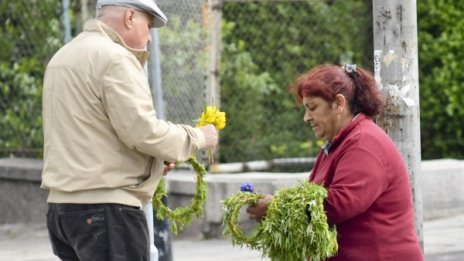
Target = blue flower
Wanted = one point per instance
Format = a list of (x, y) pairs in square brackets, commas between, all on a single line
[(246, 187)]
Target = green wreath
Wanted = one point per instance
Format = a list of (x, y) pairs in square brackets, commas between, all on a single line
[(182, 216), (232, 206), (295, 226)]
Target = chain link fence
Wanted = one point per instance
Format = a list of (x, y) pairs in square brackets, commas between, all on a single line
[(238, 54), (183, 46), (30, 33)]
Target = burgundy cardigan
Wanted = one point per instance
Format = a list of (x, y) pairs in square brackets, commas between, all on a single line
[(369, 195)]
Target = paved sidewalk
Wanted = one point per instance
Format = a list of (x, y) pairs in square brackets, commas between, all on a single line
[(444, 240)]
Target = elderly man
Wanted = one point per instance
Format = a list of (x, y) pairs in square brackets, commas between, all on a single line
[(104, 148)]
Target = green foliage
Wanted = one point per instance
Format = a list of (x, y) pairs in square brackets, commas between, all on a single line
[(182, 216), (243, 84), (295, 226), (266, 45), (441, 39), (231, 208), (20, 105), (29, 33)]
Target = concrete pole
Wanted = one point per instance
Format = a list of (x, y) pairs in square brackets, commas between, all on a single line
[(160, 235), (84, 11), (66, 21), (215, 16), (212, 16), (148, 210), (396, 72), (155, 75)]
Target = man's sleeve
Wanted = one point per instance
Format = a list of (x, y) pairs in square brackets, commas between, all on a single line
[(128, 102)]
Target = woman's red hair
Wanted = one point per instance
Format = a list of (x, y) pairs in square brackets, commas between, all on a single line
[(326, 81)]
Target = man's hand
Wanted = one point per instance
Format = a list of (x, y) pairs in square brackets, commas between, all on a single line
[(211, 135), (168, 166), (258, 211)]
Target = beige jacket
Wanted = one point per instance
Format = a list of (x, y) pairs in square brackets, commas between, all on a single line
[(103, 142)]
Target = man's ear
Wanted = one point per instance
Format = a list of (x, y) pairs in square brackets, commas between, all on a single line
[(128, 18), (340, 103)]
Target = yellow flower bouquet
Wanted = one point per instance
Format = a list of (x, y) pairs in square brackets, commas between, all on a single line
[(182, 216), (211, 115)]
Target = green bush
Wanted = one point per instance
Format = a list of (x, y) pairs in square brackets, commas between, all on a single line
[(441, 40), (266, 45), (29, 34)]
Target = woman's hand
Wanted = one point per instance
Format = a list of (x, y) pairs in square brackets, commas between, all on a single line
[(258, 211)]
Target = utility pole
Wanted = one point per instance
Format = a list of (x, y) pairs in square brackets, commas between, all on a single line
[(215, 15), (212, 17), (66, 21), (396, 72), (160, 234)]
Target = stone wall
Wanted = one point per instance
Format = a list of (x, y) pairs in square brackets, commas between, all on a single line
[(442, 187), (22, 200)]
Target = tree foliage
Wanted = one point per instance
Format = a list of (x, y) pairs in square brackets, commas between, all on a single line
[(266, 45), (29, 33), (441, 39)]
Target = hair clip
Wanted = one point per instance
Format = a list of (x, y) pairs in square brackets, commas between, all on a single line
[(350, 69)]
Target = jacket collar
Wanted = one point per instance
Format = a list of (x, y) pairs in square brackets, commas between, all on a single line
[(93, 25), (332, 145)]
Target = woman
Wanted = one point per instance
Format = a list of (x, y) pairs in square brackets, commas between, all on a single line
[(369, 198)]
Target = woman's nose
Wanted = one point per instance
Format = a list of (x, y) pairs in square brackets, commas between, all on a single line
[(307, 117)]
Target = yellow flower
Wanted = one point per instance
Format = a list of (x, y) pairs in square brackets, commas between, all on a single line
[(220, 121), (212, 115)]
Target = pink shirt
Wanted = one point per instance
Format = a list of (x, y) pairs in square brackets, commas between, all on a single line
[(369, 196)]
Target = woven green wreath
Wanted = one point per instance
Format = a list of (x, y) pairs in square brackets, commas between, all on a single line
[(232, 206), (287, 232), (182, 216)]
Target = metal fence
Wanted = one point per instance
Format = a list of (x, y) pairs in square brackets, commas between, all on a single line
[(238, 54), (182, 51), (184, 58)]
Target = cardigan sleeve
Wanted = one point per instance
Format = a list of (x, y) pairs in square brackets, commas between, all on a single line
[(360, 178)]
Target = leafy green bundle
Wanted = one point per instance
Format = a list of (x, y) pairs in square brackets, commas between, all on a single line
[(182, 216), (295, 226)]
